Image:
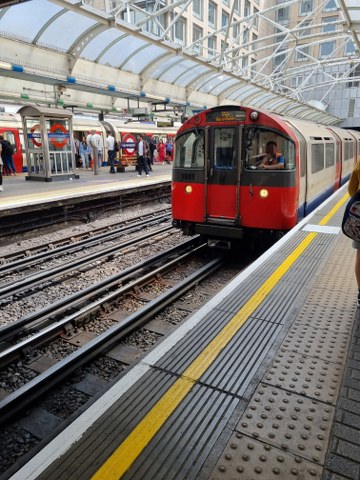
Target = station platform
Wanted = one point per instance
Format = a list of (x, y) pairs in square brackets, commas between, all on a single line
[(19, 193), (262, 382)]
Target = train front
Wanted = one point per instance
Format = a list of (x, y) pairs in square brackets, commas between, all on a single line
[(225, 185)]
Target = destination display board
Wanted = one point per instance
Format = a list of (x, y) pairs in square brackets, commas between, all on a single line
[(225, 116)]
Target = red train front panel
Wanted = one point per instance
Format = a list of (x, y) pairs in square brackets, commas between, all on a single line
[(271, 208), (188, 201), (227, 207), (217, 179)]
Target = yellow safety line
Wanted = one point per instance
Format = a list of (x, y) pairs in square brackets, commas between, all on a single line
[(124, 456)]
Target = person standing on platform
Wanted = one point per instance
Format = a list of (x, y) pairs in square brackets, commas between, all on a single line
[(152, 148), (1, 169), (110, 146), (353, 187), (142, 156), (161, 151), (97, 148), (84, 151), (88, 143), (94, 140), (77, 152), (100, 145), (169, 149), (7, 153)]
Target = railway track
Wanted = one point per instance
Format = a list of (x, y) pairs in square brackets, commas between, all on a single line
[(73, 310), (70, 337), (15, 261), (146, 293), (31, 391), (35, 281)]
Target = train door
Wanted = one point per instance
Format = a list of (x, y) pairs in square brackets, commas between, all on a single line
[(301, 163), (222, 174), (12, 136), (338, 172)]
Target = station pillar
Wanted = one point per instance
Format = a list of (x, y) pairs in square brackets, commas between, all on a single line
[(49, 145)]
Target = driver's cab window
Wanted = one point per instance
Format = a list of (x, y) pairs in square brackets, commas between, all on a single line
[(267, 149), (190, 150)]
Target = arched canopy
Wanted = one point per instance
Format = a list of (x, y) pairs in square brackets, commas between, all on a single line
[(116, 54), (36, 111)]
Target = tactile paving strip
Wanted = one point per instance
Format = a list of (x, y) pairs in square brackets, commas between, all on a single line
[(318, 343), (332, 298), (247, 459), (339, 270), (288, 421), (336, 282), (305, 375), (320, 316)]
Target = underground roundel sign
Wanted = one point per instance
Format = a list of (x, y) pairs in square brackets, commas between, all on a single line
[(128, 143), (58, 135), (35, 135)]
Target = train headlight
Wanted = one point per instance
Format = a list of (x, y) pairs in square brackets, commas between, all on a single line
[(254, 116), (264, 193), (188, 189)]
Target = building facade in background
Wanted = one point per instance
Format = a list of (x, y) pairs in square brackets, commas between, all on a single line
[(300, 49), (316, 60)]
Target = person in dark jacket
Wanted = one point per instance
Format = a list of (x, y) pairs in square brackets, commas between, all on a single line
[(152, 148), (7, 156)]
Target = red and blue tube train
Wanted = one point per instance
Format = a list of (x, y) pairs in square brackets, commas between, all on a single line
[(219, 189)]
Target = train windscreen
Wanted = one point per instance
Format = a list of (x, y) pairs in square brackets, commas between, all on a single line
[(190, 150)]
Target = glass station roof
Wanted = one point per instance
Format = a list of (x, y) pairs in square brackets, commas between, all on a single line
[(80, 31)]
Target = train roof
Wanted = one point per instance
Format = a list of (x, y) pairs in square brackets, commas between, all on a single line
[(252, 116)]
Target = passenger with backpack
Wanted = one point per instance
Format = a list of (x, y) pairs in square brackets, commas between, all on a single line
[(7, 153)]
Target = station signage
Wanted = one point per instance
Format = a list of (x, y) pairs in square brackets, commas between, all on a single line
[(58, 135), (226, 116), (126, 145)]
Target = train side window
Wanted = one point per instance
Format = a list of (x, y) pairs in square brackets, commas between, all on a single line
[(329, 155), (317, 157), (287, 148), (348, 150), (189, 150)]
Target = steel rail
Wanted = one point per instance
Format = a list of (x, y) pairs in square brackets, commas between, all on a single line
[(49, 314), (27, 394), (36, 279), (12, 353), (25, 262)]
